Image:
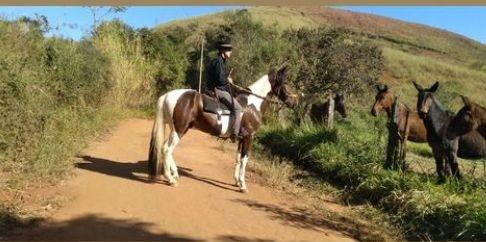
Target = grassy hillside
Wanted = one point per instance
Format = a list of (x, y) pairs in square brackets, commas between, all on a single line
[(411, 51)]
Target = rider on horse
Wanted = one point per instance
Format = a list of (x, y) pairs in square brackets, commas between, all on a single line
[(219, 81)]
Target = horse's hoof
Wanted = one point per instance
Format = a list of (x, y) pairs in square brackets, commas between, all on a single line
[(153, 178), (173, 184), (237, 184), (243, 190)]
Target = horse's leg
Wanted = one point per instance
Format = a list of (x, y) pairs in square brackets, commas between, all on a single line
[(439, 164), (245, 149), (168, 148), (173, 165), (238, 165), (451, 155)]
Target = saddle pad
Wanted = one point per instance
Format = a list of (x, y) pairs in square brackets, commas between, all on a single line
[(210, 105)]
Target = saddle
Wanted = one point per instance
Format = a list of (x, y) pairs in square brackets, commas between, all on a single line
[(212, 105), (223, 113)]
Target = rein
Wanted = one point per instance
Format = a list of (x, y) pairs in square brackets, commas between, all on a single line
[(244, 90)]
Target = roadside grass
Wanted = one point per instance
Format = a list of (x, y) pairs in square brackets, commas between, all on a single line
[(350, 158), (360, 221), (421, 149)]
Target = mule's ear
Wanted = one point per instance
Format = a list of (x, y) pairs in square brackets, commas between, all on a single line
[(417, 86), (466, 101), (378, 88), (434, 87)]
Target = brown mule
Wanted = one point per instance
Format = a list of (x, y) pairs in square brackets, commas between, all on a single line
[(470, 120), (416, 129), (182, 109), (319, 111), (471, 117)]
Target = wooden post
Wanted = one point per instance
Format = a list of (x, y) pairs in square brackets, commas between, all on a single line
[(395, 152), (330, 114), (201, 64)]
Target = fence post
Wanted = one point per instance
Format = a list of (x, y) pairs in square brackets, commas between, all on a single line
[(330, 112), (395, 152)]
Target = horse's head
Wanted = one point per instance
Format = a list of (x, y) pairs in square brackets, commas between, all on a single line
[(425, 98), (383, 100), (466, 120), (339, 103), (281, 88)]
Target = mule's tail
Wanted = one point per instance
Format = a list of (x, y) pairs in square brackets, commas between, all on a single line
[(155, 165)]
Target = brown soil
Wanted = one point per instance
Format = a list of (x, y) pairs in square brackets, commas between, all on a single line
[(110, 198)]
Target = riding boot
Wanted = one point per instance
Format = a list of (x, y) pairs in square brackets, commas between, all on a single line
[(236, 126)]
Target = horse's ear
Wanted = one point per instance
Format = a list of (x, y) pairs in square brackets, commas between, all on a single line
[(272, 76), (283, 65), (466, 101), (417, 86), (284, 69), (434, 87)]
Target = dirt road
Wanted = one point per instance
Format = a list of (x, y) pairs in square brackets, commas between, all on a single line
[(110, 198)]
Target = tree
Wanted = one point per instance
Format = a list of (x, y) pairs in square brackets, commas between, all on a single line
[(98, 13)]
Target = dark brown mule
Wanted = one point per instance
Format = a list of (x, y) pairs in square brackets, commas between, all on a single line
[(437, 120), (320, 111), (416, 129), (472, 117), (182, 110)]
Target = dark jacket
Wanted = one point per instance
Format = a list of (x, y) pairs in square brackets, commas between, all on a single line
[(217, 75)]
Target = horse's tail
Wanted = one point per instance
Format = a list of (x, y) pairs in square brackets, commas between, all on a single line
[(157, 141)]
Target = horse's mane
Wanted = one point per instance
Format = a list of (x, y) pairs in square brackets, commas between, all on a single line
[(260, 85)]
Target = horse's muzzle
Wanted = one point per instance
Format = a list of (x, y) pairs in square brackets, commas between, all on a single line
[(373, 112), (422, 115)]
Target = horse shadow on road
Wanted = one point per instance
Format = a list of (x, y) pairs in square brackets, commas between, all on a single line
[(137, 171), (94, 227)]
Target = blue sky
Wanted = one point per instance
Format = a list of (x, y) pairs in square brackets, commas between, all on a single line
[(75, 22)]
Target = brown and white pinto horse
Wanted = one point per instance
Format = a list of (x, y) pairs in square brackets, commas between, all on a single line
[(182, 109), (416, 129)]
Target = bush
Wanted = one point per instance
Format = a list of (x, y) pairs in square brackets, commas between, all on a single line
[(40, 80)]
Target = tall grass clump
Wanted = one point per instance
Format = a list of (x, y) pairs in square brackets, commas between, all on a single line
[(143, 63), (350, 157)]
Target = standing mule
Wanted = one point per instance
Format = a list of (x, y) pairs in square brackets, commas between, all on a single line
[(320, 111), (437, 120), (416, 129), (182, 109), (472, 117)]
